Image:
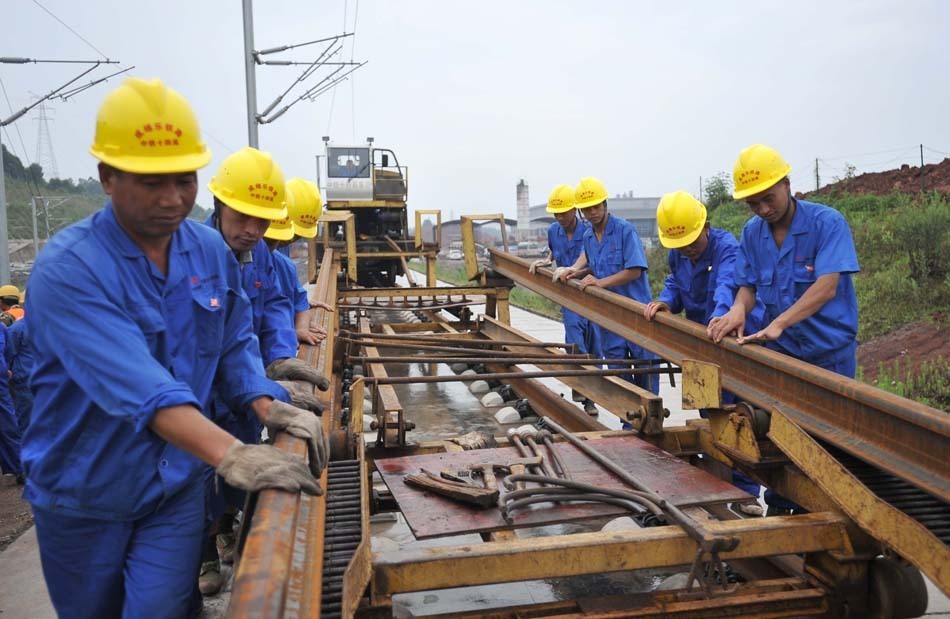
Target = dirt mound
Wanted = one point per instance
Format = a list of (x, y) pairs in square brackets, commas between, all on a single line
[(903, 180), (912, 345)]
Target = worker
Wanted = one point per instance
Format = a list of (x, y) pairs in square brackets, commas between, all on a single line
[(304, 206), (700, 284), (612, 259), (136, 314), (18, 354), (249, 191), (11, 435), (11, 309), (565, 244), (798, 257)]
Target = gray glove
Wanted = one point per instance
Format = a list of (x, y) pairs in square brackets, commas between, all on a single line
[(302, 424), (301, 395), (256, 467), (295, 369), (538, 263)]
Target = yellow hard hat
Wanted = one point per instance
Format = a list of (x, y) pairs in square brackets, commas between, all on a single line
[(681, 218), (145, 127), (589, 192), (757, 168), (282, 229), (307, 206), (9, 291), (561, 199), (250, 182)]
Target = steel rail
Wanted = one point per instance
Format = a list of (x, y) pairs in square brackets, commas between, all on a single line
[(547, 360), (473, 342), (282, 556), (487, 352), (461, 378), (906, 438)]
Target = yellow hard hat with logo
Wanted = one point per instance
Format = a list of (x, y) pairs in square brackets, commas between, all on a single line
[(307, 206), (282, 229), (680, 218), (757, 168), (561, 199), (589, 192), (145, 127), (251, 182)]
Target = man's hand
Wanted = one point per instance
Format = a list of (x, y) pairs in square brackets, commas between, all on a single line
[(590, 280), (321, 305), (301, 395), (731, 322), (562, 273), (538, 263), (312, 334), (302, 424), (653, 307), (295, 369), (771, 332), (256, 467)]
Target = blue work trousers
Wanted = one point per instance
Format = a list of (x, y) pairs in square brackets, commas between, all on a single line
[(22, 402), (141, 568), (582, 332), (9, 444), (615, 347)]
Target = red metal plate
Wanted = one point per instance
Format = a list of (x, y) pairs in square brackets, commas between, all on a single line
[(429, 515)]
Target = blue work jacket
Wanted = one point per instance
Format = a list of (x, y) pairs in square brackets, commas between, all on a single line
[(818, 243), (566, 251), (706, 289), (270, 306), (18, 352), (289, 283), (620, 248), (114, 341)]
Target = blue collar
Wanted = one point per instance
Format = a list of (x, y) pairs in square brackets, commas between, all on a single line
[(121, 240)]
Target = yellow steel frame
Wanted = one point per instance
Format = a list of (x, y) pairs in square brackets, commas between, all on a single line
[(467, 223), (594, 553), (885, 523), (349, 223)]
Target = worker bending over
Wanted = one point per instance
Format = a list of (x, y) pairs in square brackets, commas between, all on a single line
[(137, 315), (613, 259), (304, 206), (798, 257), (700, 284), (248, 191), (565, 244)]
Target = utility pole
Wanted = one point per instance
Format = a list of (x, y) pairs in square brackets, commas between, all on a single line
[(250, 77), (921, 167), (817, 177), (253, 57), (700, 188), (37, 200), (4, 247)]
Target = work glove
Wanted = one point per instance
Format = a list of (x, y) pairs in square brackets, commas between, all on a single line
[(538, 263), (302, 424), (301, 395), (558, 272), (292, 368), (256, 467)]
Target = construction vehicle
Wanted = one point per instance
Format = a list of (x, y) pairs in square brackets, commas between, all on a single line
[(368, 183)]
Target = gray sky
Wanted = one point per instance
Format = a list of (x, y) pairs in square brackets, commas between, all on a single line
[(473, 96)]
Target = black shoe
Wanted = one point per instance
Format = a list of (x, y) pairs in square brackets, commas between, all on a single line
[(20, 480), (590, 408)]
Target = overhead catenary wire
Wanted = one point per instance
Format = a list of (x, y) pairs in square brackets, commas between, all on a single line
[(31, 183), (67, 26)]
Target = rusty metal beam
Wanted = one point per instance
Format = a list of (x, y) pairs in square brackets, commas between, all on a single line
[(905, 438), (283, 554), (617, 395)]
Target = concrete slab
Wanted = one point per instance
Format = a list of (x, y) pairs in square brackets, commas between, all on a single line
[(22, 587)]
